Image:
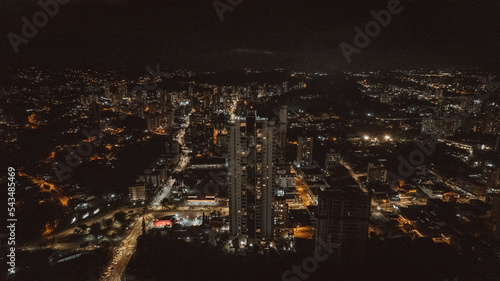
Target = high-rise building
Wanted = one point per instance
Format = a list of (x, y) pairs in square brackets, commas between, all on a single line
[(494, 221), (279, 90), (153, 122), (137, 193), (283, 127), (342, 221), (491, 121), (441, 126), (252, 153), (286, 87), (171, 145), (495, 207), (386, 97), (332, 159), (95, 111), (122, 90), (492, 176), (280, 214), (377, 172), (107, 90), (304, 150), (190, 90), (207, 99)]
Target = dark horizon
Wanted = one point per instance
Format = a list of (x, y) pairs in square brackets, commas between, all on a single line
[(256, 34)]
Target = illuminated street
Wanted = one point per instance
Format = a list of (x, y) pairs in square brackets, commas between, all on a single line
[(305, 193)]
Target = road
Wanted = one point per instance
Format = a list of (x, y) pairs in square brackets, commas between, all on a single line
[(305, 232), (167, 187), (115, 271), (353, 174), (123, 254), (305, 193), (183, 161)]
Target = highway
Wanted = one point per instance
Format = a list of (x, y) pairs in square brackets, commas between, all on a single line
[(122, 255)]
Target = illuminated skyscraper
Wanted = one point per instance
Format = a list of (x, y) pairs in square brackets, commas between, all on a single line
[(304, 150), (252, 154), (342, 221)]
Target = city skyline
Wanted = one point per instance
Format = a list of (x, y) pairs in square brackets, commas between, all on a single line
[(250, 140)]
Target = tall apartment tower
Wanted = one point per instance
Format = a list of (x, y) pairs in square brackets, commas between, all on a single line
[(342, 222), (491, 122), (286, 87), (377, 172), (493, 177), (252, 154), (95, 111), (495, 209), (283, 127), (304, 150), (190, 90), (494, 222)]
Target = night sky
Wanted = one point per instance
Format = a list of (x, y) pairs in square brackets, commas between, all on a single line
[(188, 34)]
